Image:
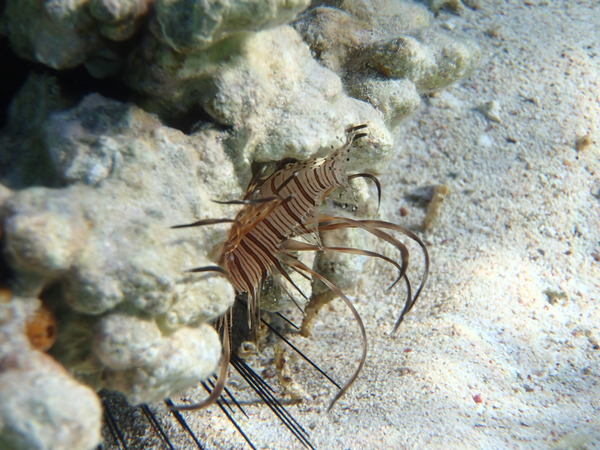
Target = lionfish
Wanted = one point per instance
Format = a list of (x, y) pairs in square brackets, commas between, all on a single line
[(263, 241)]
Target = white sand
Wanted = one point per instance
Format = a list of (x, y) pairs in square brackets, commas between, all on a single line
[(493, 363)]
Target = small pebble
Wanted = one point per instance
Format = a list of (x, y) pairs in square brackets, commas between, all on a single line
[(485, 141), (583, 142), (433, 209), (491, 110)]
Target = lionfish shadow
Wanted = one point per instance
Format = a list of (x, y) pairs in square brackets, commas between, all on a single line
[(155, 426)]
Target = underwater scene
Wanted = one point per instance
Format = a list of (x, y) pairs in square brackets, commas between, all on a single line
[(280, 224)]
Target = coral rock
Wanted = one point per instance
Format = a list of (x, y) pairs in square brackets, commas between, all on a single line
[(396, 99), (102, 243), (267, 87), (65, 33), (430, 61), (381, 47), (193, 26), (41, 405)]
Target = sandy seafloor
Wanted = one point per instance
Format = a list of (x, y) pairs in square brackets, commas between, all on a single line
[(502, 350)]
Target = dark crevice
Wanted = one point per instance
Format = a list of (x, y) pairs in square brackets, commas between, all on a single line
[(190, 121), (6, 273), (74, 83)]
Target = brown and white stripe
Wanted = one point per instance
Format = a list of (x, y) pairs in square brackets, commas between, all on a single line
[(282, 207), (293, 192)]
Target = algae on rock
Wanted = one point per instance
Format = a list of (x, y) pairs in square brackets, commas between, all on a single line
[(65, 33), (102, 242), (278, 100), (194, 26), (386, 52)]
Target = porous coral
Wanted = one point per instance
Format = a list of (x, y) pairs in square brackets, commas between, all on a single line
[(266, 86), (100, 242), (64, 33), (387, 52), (195, 26), (98, 248)]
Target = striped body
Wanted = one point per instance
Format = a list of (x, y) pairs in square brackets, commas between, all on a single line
[(296, 191), (261, 241)]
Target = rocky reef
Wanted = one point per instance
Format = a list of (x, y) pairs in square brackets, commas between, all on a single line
[(91, 184)]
